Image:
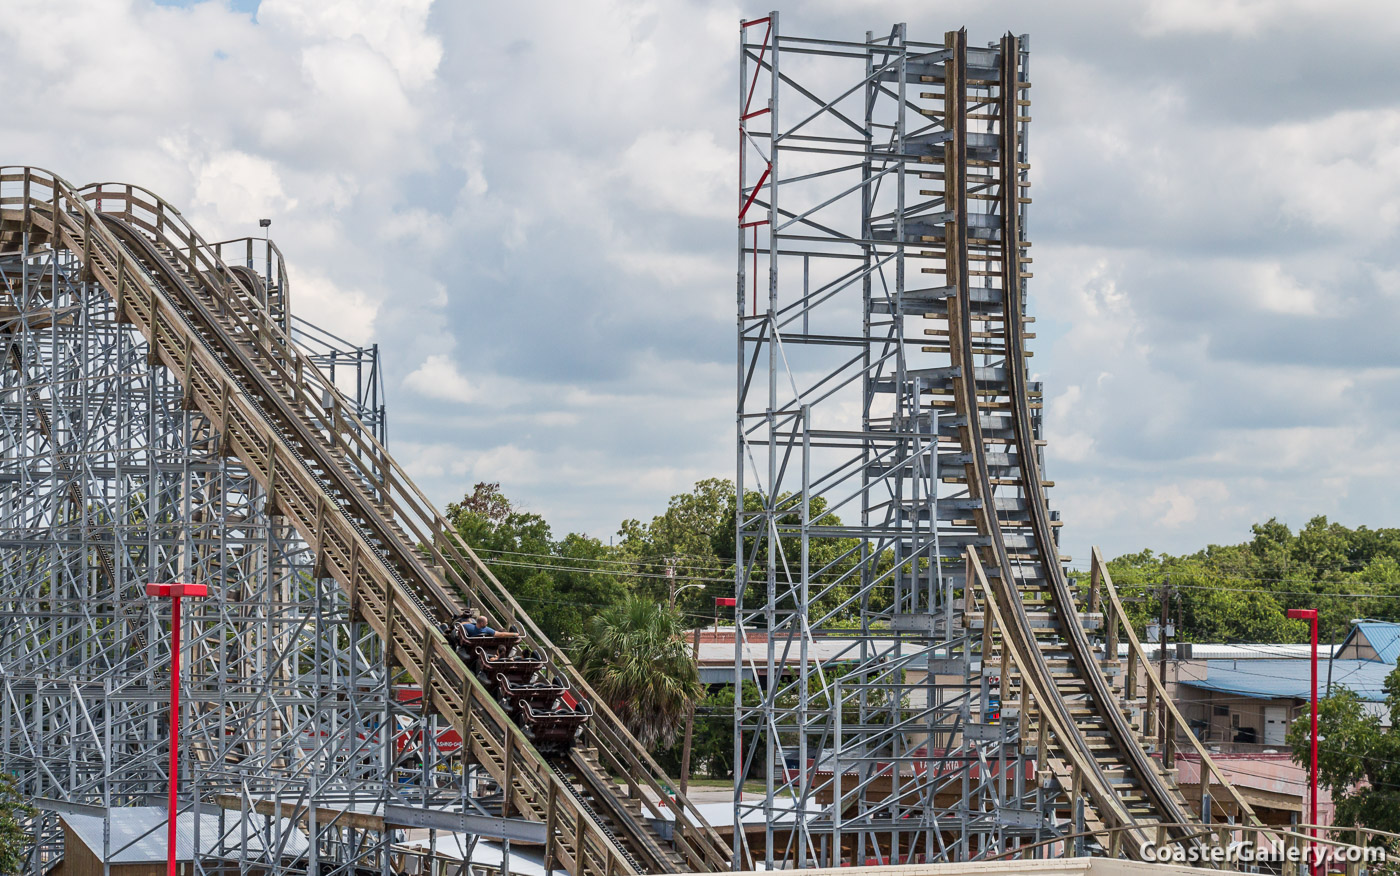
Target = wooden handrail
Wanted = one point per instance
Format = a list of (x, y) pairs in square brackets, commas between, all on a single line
[(414, 510), (1105, 799), (1120, 616)]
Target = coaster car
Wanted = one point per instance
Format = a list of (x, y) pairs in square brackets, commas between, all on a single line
[(541, 696), (468, 647), (554, 732), (519, 669)]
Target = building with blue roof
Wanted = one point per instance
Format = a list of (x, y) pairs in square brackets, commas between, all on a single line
[(1246, 705), (1292, 679), (1372, 640)]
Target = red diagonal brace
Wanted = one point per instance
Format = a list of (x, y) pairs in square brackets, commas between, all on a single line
[(753, 194), (758, 68)]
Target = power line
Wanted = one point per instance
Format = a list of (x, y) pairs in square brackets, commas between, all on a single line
[(948, 561), (705, 564), (688, 565), (1217, 586)]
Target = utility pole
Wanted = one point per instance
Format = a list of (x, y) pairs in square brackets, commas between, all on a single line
[(671, 579), (689, 723), (1162, 637), (1331, 655)]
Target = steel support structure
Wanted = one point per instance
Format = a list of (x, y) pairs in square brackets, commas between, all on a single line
[(107, 482), (353, 368), (875, 729), (227, 385)]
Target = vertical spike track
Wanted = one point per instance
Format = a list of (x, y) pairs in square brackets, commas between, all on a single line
[(950, 118), (1082, 681)]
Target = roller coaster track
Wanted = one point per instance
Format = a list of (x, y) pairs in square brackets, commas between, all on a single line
[(400, 562), (1104, 756), (954, 116)]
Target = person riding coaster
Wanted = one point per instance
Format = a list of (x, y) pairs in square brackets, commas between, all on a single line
[(551, 717), (468, 633), (479, 627)]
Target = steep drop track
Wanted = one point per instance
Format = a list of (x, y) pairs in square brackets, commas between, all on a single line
[(372, 530), (996, 433)]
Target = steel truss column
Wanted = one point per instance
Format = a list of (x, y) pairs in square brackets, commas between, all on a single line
[(871, 727), (108, 482)]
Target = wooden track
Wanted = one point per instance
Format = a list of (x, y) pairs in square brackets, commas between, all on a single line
[(371, 529), (1082, 721)]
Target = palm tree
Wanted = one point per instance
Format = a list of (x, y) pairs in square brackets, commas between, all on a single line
[(634, 654)]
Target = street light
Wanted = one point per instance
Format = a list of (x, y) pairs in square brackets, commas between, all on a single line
[(683, 588), (1310, 615), (174, 592)]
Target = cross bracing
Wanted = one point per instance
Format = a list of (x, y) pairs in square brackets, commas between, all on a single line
[(253, 461), (108, 481), (890, 479)]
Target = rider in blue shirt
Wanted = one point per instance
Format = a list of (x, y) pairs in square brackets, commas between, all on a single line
[(477, 627)]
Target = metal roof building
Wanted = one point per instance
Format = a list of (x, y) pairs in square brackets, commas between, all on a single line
[(1359, 664), (1372, 640), (135, 836), (1274, 679)]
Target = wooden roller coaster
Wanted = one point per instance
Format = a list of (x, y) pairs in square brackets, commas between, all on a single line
[(402, 565), (524, 712)]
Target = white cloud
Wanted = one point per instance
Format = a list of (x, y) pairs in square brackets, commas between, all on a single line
[(682, 172), (1275, 291), (395, 30), (536, 225), (348, 313), (240, 188), (1233, 17), (439, 378)]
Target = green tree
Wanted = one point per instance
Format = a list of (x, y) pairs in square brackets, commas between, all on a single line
[(637, 657), (575, 595), (1218, 614), (833, 594), (712, 748), (1240, 592), (691, 535), (543, 575), (1358, 758), (13, 839)]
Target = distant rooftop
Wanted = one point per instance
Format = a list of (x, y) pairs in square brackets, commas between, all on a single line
[(1273, 679), (1372, 640), (137, 834), (1239, 651)]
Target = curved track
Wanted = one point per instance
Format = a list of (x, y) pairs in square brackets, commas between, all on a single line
[(372, 530), (1104, 755)]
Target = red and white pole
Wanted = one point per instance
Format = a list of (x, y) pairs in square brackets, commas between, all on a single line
[(1310, 615), (174, 592)]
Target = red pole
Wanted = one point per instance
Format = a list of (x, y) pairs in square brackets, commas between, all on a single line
[(174, 591), (172, 809), (1312, 807), (1310, 615)]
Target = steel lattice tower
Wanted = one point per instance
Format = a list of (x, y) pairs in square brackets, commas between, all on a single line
[(874, 704), (107, 482)]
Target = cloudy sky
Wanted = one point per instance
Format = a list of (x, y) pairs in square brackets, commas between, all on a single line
[(529, 207)]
